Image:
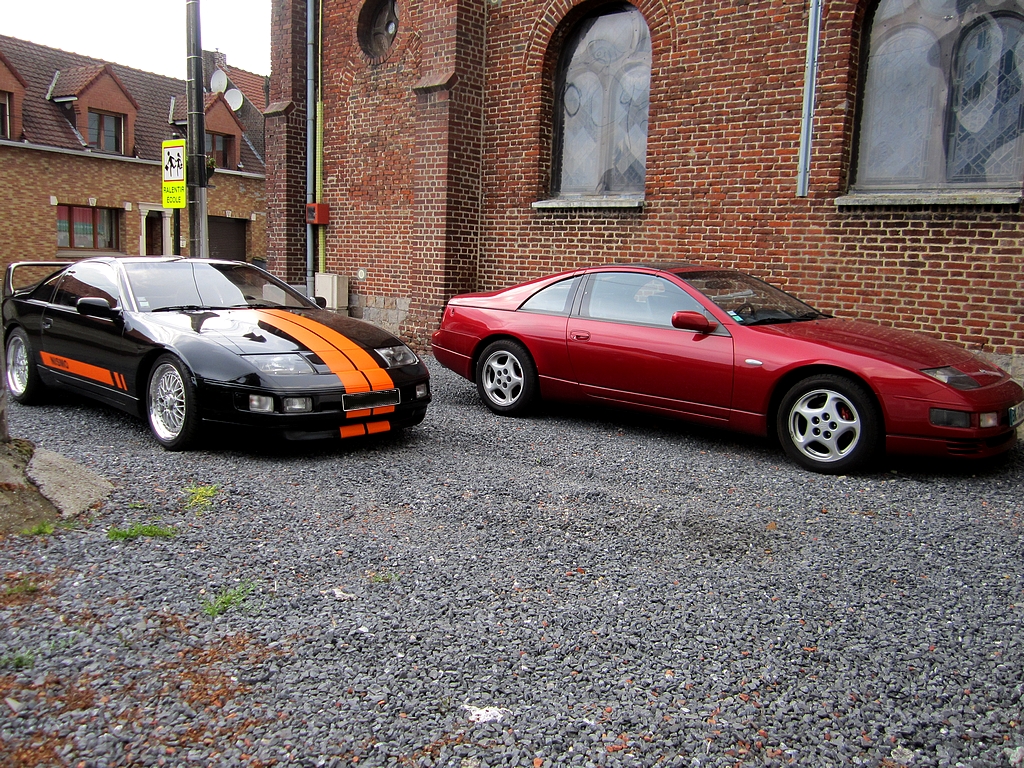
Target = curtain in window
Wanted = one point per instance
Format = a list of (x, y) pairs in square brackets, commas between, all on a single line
[(81, 226)]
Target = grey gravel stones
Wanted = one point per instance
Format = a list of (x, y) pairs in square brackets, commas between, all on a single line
[(584, 587)]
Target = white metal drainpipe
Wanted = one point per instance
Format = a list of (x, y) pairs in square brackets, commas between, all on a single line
[(810, 86), (310, 139)]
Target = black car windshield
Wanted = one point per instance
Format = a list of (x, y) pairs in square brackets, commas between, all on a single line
[(189, 285), (750, 301)]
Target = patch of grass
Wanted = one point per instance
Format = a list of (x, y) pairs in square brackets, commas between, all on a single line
[(385, 577), (140, 529), (63, 643), (24, 586), (227, 599), (41, 529), (20, 660), (199, 498)]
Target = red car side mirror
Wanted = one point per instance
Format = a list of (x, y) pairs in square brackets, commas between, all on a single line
[(693, 321)]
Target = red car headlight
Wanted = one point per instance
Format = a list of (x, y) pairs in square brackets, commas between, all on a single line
[(957, 379)]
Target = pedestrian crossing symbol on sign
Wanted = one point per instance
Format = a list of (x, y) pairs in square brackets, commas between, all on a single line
[(174, 195)]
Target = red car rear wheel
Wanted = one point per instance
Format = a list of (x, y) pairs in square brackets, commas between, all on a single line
[(506, 378)]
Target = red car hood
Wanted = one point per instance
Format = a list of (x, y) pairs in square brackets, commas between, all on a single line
[(910, 350)]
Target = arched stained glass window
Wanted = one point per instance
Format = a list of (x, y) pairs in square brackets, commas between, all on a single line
[(943, 103), (985, 130), (904, 93), (602, 96)]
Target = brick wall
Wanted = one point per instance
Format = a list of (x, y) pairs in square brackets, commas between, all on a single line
[(33, 176), (286, 143), (431, 177)]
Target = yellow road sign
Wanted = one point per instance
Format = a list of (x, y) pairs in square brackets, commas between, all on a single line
[(174, 193)]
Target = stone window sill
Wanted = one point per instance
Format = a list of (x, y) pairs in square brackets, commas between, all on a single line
[(590, 201), (967, 197)]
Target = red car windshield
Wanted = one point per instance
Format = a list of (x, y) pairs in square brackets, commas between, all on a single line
[(749, 301)]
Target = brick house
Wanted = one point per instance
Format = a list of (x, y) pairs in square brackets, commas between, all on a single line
[(471, 145), (80, 156)]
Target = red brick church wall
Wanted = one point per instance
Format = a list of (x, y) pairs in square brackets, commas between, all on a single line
[(435, 154)]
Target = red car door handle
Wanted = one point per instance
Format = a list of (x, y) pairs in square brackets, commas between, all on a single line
[(579, 335)]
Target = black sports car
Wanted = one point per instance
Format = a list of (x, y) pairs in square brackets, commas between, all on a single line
[(188, 342)]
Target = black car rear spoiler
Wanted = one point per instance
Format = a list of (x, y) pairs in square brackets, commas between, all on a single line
[(9, 279)]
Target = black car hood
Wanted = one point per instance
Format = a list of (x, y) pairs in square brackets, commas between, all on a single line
[(263, 331)]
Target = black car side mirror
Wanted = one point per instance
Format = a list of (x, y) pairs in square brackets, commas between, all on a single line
[(693, 321), (320, 302), (94, 306)]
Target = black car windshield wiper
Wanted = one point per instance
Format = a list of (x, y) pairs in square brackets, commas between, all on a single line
[(812, 315), (182, 308)]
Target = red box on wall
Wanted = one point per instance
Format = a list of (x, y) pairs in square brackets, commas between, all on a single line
[(318, 213)]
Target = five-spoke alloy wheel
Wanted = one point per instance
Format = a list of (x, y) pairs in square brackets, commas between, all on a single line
[(828, 423), (506, 378)]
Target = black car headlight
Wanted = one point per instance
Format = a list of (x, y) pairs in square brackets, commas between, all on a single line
[(284, 364), (956, 378), (397, 356)]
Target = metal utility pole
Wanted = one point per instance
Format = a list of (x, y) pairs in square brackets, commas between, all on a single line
[(198, 231)]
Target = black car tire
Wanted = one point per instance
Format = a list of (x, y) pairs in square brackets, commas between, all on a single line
[(172, 407), (829, 424), (506, 378), (23, 381)]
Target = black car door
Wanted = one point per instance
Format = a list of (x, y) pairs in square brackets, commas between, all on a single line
[(86, 351)]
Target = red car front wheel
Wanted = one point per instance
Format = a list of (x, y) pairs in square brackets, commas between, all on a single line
[(829, 424)]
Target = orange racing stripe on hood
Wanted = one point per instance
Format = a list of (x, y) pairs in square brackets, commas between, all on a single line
[(358, 371)]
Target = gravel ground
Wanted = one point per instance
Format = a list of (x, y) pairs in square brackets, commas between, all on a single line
[(580, 588)]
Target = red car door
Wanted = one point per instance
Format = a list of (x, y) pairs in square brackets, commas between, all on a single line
[(623, 348)]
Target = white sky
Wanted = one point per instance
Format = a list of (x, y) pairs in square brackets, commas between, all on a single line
[(144, 34)]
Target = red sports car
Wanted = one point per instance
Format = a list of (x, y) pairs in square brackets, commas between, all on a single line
[(721, 347)]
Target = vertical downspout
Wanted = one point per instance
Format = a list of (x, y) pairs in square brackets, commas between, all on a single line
[(321, 231), (810, 88), (310, 137)]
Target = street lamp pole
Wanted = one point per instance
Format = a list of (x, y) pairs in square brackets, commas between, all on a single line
[(198, 231)]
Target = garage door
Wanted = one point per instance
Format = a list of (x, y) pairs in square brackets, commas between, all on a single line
[(227, 238)]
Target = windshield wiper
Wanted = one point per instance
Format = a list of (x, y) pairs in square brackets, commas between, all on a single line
[(814, 315), (182, 308)]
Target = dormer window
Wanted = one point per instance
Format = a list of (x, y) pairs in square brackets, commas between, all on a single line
[(5, 115), (106, 131)]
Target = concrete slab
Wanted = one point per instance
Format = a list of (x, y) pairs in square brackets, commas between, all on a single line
[(69, 486)]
